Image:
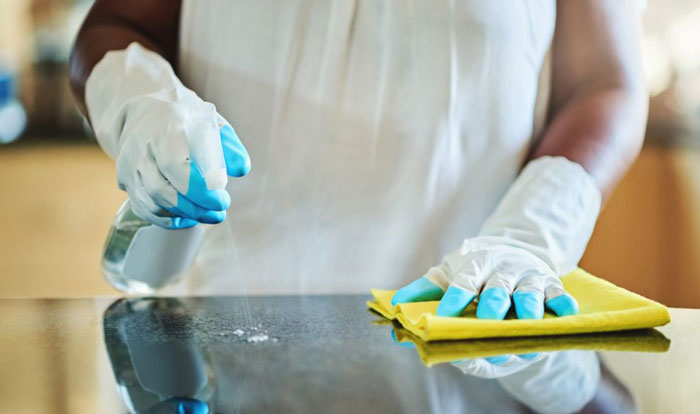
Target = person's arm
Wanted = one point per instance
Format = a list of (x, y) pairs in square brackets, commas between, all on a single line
[(542, 225), (599, 100), (113, 25)]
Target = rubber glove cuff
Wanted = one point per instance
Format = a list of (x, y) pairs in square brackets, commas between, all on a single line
[(550, 210)]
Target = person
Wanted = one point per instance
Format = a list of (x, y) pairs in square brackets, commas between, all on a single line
[(383, 135)]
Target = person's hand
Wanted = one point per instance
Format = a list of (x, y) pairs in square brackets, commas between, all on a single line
[(173, 150), (497, 366), (538, 232), (497, 269), (556, 382), (547, 382)]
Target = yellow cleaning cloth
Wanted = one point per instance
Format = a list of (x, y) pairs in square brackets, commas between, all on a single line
[(602, 307), (438, 352)]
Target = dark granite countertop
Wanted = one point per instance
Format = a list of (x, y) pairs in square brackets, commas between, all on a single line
[(302, 354)]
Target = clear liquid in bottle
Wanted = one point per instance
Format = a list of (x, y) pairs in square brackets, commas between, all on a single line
[(140, 257)]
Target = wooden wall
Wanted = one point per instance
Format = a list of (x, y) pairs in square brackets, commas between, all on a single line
[(648, 236)]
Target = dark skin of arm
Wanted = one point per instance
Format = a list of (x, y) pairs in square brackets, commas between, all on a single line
[(113, 25), (598, 105), (599, 101)]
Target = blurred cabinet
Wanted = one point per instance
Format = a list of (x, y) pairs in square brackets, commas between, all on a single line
[(648, 236), (16, 43), (59, 201)]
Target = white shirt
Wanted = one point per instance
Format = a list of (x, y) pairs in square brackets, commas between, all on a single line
[(381, 133)]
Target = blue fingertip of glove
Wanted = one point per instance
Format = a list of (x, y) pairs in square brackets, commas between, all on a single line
[(187, 209), (212, 217), (529, 356), (401, 344), (187, 406), (498, 359), (493, 303), (177, 223), (563, 305), (454, 301), (235, 155), (199, 194), (420, 290), (528, 305)]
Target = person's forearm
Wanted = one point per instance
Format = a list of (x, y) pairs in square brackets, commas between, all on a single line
[(88, 51), (113, 26), (599, 99), (602, 129)]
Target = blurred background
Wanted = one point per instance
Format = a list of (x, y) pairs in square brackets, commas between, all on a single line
[(60, 195)]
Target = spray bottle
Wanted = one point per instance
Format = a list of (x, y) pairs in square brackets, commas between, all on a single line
[(140, 257)]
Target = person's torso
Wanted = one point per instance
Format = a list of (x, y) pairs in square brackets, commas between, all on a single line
[(381, 133)]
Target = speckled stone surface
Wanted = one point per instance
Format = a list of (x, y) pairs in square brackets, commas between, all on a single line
[(301, 354), (290, 354)]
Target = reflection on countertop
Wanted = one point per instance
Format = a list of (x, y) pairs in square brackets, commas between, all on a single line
[(300, 354)]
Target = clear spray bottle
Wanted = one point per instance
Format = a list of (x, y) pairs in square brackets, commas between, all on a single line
[(141, 258)]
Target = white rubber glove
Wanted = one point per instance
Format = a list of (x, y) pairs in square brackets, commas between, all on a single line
[(562, 382), (173, 150), (538, 232), (497, 366)]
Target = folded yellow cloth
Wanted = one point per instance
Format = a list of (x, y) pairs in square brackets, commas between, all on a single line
[(602, 307), (438, 352)]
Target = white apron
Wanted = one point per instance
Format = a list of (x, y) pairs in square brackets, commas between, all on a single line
[(381, 132)]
